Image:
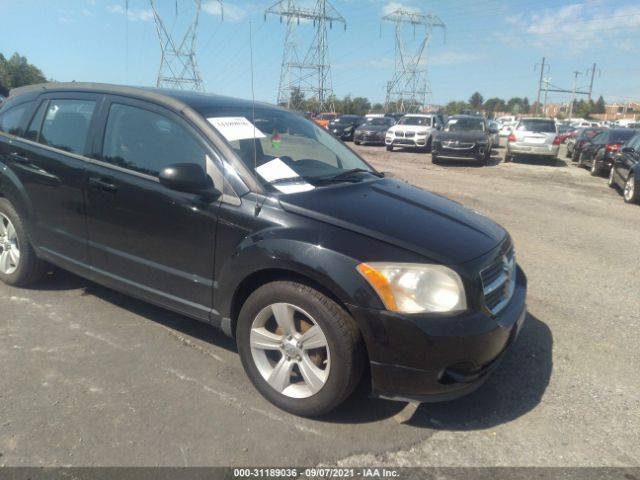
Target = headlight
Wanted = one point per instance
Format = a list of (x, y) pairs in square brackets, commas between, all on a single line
[(414, 287)]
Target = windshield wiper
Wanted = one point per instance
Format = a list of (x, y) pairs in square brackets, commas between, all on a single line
[(296, 179), (347, 174)]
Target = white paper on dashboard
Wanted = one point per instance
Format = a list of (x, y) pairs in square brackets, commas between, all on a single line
[(276, 169), (235, 128)]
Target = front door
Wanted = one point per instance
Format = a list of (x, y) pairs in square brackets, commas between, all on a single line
[(144, 238)]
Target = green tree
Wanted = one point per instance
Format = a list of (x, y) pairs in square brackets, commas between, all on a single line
[(526, 108), (476, 100), (493, 105), (600, 106), (455, 107), (17, 72), (360, 106), (296, 99), (377, 108)]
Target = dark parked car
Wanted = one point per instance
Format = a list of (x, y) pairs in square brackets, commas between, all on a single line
[(625, 172), (373, 130), (281, 236), (467, 136), (599, 152), (345, 126), (574, 145)]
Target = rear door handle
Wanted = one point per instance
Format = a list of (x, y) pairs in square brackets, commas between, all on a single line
[(103, 184), (19, 157)]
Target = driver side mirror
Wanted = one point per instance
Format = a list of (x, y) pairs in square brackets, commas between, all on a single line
[(189, 178)]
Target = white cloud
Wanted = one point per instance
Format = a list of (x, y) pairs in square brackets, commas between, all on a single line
[(574, 28), (393, 6), (230, 12), (133, 14)]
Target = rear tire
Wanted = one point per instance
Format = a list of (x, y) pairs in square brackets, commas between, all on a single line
[(631, 191), (271, 338), (612, 181), (19, 265), (595, 169), (580, 162)]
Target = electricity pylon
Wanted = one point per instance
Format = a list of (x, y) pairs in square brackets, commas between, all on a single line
[(178, 66), (311, 73), (409, 87)]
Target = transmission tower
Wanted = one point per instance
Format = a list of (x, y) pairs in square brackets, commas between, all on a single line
[(178, 66), (409, 87), (311, 73)]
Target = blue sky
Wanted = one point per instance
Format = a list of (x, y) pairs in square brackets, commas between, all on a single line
[(491, 45)]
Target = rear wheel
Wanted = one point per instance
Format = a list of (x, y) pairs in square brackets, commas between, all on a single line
[(300, 349), (19, 265), (631, 193), (580, 161), (595, 168)]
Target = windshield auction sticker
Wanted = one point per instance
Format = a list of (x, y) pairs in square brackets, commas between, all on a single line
[(235, 128), (276, 170)]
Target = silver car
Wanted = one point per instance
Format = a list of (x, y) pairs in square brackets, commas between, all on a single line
[(495, 138), (535, 137)]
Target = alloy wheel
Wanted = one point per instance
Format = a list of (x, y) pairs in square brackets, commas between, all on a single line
[(629, 188), (9, 248), (611, 181), (290, 350)]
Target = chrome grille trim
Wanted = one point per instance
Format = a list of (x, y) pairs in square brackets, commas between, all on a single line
[(498, 282)]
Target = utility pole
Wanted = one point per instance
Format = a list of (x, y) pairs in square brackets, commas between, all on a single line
[(593, 74), (547, 80), (573, 92), (542, 67), (409, 86), (312, 73)]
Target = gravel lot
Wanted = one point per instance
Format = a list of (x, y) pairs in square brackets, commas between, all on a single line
[(91, 377)]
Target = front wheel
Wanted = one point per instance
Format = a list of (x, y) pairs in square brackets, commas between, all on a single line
[(595, 168), (631, 193), (301, 350), (19, 265), (389, 148), (580, 161), (357, 142), (507, 158), (434, 158)]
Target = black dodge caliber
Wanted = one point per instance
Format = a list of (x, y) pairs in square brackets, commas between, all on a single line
[(255, 220)]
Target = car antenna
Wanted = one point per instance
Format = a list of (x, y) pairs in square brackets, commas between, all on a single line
[(253, 116)]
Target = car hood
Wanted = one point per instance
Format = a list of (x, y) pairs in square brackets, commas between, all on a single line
[(373, 128), (410, 128), (402, 215), (475, 136)]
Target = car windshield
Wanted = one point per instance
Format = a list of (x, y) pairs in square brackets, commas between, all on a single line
[(326, 116), (621, 136), (464, 125), (345, 120), (379, 121), (539, 126), (422, 121), (284, 147)]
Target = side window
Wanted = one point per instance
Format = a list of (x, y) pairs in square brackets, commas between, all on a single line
[(66, 124), (10, 121), (146, 142), (33, 131)]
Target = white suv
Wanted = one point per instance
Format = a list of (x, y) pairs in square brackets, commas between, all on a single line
[(414, 130)]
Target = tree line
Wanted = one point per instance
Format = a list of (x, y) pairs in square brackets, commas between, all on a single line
[(17, 72)]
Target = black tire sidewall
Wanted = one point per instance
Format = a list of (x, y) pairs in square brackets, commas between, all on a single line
[(343, 355), (29, 262)]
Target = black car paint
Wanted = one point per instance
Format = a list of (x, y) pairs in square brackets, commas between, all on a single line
[(345, 126), (594, 150), (480, 138), (626, 163), (217, 252)]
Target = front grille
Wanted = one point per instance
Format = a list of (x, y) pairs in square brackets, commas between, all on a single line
[(409, 134), (499, 281), (399, 133), (458, 145)]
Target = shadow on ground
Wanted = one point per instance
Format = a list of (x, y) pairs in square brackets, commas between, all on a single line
[(534, 160), (515, 388)]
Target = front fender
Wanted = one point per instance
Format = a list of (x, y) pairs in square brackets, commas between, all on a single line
[(332, 270)]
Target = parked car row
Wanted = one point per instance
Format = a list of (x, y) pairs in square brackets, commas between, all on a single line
[(614, 152)]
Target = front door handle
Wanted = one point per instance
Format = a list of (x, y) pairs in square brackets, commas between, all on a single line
[(19, 157), (104, 184)]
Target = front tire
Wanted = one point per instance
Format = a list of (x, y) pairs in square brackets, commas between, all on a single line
[(300, 349), (595, 169), (19, 265), (389, 148)]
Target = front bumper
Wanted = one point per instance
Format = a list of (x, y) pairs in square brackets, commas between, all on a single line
[(369, 137), (478, 151), (432, 358), (407, 142), (534, 150)]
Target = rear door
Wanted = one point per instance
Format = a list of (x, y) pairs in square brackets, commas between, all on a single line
[(50, 162), (153, 242)]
